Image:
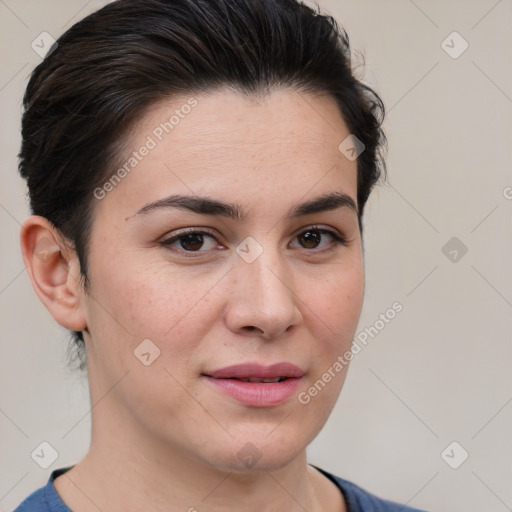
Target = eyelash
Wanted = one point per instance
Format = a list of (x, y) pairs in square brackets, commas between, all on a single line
[(337, 240)]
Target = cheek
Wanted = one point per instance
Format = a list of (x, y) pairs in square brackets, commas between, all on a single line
[(336, 299), (153, 295), (132, 302), (335, 308)]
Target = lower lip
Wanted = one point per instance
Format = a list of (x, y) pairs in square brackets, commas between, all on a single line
[(257, 394)]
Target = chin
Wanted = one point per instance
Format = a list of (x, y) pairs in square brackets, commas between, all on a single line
[(258, 453)]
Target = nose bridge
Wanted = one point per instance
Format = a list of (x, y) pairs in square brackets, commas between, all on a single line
[(266, 275), (263, 297), (269, 277)]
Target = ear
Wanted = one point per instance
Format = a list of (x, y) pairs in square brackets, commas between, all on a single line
[(54, 270)]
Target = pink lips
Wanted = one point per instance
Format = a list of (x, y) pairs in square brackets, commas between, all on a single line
[(255, 392)]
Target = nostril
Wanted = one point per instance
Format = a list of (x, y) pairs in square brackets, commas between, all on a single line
[(253, 328)]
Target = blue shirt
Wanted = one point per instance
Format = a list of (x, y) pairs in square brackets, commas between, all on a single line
[(357, 499)]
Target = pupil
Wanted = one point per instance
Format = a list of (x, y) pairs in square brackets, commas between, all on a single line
[(192, 242), (311, 239)]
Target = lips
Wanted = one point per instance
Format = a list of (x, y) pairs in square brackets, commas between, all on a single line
[(256, 385), (253, 372)]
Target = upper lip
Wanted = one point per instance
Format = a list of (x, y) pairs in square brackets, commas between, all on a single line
[(256, 370)]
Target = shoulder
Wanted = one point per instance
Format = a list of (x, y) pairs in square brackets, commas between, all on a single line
[(360, 500), (34, 503), (45, 499)]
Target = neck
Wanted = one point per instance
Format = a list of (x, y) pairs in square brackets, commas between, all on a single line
[(109, 479), (122, 473)]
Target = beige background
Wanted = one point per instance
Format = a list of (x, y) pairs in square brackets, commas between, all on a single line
[(437, 373)]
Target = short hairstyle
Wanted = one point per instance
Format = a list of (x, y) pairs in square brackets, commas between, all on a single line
[(106, 70)]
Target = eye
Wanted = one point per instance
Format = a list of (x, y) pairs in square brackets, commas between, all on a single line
[(191, 240), (196, 241), (319, 238)]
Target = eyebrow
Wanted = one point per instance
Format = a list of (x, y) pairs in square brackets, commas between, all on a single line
[(207, 206)]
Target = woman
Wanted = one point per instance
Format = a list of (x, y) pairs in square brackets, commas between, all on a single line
[(197, 174)]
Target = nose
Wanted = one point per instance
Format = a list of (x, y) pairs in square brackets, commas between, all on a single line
[(263, 302)]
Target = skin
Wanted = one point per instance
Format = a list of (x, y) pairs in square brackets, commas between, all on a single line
[(162, 437)]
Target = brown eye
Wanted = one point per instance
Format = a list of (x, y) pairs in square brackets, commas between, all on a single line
[(310, 239), (319, 238), (192, 242)]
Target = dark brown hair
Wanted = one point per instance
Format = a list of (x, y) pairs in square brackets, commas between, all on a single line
[(107, 69)]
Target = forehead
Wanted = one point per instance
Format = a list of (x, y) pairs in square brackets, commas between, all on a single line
[(228, 119), (224, 143)]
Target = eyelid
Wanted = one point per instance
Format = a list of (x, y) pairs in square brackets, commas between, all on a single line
[(208, 231), (319, 227), (338, 239), (188, 231), (176, 235)]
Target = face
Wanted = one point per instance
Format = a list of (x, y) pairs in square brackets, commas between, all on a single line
[(229, 250)]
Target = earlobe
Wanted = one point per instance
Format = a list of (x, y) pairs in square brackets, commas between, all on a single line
[(54, 271)]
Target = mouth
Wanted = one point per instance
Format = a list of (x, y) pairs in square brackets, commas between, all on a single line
[(257, 385), (256, 379), (255, 372)]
